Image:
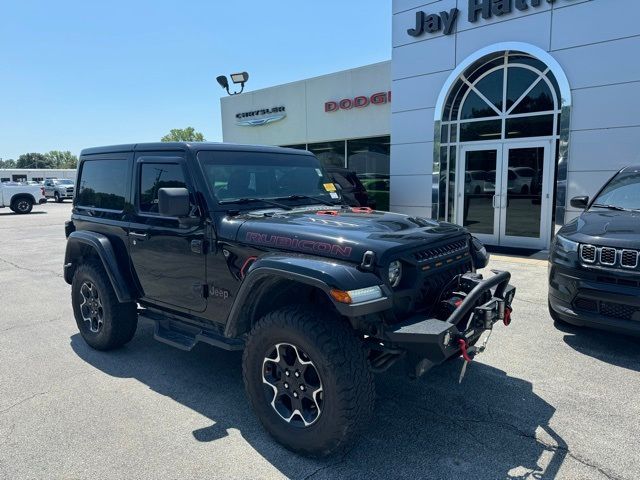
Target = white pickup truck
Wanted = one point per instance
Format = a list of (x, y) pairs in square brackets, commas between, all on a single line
[(21, 198)]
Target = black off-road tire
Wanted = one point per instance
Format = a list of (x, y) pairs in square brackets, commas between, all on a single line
[(339, 357), (119, 320), (22, 205)]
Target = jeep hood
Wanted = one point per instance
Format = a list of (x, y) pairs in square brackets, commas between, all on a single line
[(605, 227), (346, 235)]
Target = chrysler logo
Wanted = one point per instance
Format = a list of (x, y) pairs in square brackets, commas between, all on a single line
[(263, 116)]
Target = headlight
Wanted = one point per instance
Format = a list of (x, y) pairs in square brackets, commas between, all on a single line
[(395, 273), (565, 244)]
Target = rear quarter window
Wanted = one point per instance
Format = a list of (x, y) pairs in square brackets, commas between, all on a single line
[(102, 184)]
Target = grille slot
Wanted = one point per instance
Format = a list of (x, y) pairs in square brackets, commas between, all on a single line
[(437, 252), (618, 310), (608, 256), (629, 259), (588, 253), (586, 304)]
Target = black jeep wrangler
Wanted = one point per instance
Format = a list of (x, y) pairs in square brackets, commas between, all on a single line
[(247, 247)]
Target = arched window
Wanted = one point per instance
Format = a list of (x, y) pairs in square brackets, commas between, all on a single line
[(505, 96)]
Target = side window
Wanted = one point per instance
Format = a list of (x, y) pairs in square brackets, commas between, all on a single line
[(153, 177), (102, 184)]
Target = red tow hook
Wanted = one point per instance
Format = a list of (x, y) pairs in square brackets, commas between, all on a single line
[(463, 348), (507, 316)]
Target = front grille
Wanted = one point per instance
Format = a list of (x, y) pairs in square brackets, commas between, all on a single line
[(629, 259), (443, 251), (618, 310), (69, 190), (588, 253), (608, 256), (586, 304)]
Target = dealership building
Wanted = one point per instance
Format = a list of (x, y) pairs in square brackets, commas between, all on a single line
[(492, 114)]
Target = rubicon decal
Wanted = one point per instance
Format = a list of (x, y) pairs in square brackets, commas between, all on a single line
[(360, 101), (260, 117), (297, 244)]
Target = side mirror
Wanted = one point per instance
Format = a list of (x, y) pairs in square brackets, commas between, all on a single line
[(173, 202), (580, 202)]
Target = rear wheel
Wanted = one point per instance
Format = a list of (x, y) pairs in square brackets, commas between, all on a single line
[(308, 379), (104, 323), (22, 205)]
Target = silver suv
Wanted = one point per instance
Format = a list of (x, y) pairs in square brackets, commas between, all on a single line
[(59, 189)]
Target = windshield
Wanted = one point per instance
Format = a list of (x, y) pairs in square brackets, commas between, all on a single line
[(65, 182), (623, 191), (265, 175)]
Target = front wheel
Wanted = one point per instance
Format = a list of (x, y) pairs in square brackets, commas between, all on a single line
[(308, 379), (22, 206), (104, 323), (57, 197)]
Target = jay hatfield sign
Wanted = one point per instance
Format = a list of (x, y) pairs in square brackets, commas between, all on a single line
[(360, 101), (445, 21), (259, 117)]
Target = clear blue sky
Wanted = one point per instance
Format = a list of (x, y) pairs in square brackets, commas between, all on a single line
[(83, 73)]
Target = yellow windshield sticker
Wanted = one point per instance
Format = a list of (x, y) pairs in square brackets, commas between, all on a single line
[(329, 187)]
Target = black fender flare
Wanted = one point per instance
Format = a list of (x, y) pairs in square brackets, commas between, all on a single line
[(324, 274), (104, 250)]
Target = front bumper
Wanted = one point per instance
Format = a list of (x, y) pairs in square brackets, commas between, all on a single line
[(431, 341), (596, 297)]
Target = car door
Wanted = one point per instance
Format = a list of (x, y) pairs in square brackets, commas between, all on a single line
[(167, 254), (48, 188)]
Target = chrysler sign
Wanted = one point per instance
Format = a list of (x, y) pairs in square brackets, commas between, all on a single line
[(259, 117)]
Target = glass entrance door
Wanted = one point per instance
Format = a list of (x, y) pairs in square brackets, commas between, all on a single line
[(525, 214), (504, 193), (477, 187)]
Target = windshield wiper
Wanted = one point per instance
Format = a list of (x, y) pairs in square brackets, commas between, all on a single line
[(298, 197), (610, 207), (251, 200)]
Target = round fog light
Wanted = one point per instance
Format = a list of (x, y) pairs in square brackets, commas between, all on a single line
[(395, 273)]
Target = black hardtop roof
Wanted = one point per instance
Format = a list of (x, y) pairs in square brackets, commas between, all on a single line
[(192, 146), (632, 168)]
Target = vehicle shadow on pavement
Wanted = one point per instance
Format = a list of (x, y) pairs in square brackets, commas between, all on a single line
[(618, 350), (35, 212), (491, 426)]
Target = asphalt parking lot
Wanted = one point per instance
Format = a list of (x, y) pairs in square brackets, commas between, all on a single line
[(541, 402)]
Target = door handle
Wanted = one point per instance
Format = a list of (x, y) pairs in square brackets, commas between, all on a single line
[(139, 236)]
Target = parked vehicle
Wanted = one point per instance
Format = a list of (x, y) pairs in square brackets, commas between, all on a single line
[(59, 189), (474, 181), (20, 198), (248, 247), (594, 274)]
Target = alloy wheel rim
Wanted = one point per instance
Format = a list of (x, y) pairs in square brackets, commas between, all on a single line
[(91, 307), (293, 386), (23, 205)]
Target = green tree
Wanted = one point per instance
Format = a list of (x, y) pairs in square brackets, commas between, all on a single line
[(9, 163), (183, 135), (62, 159), (34, 160)]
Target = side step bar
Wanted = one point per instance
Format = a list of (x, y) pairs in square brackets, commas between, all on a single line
[(185, 337)]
